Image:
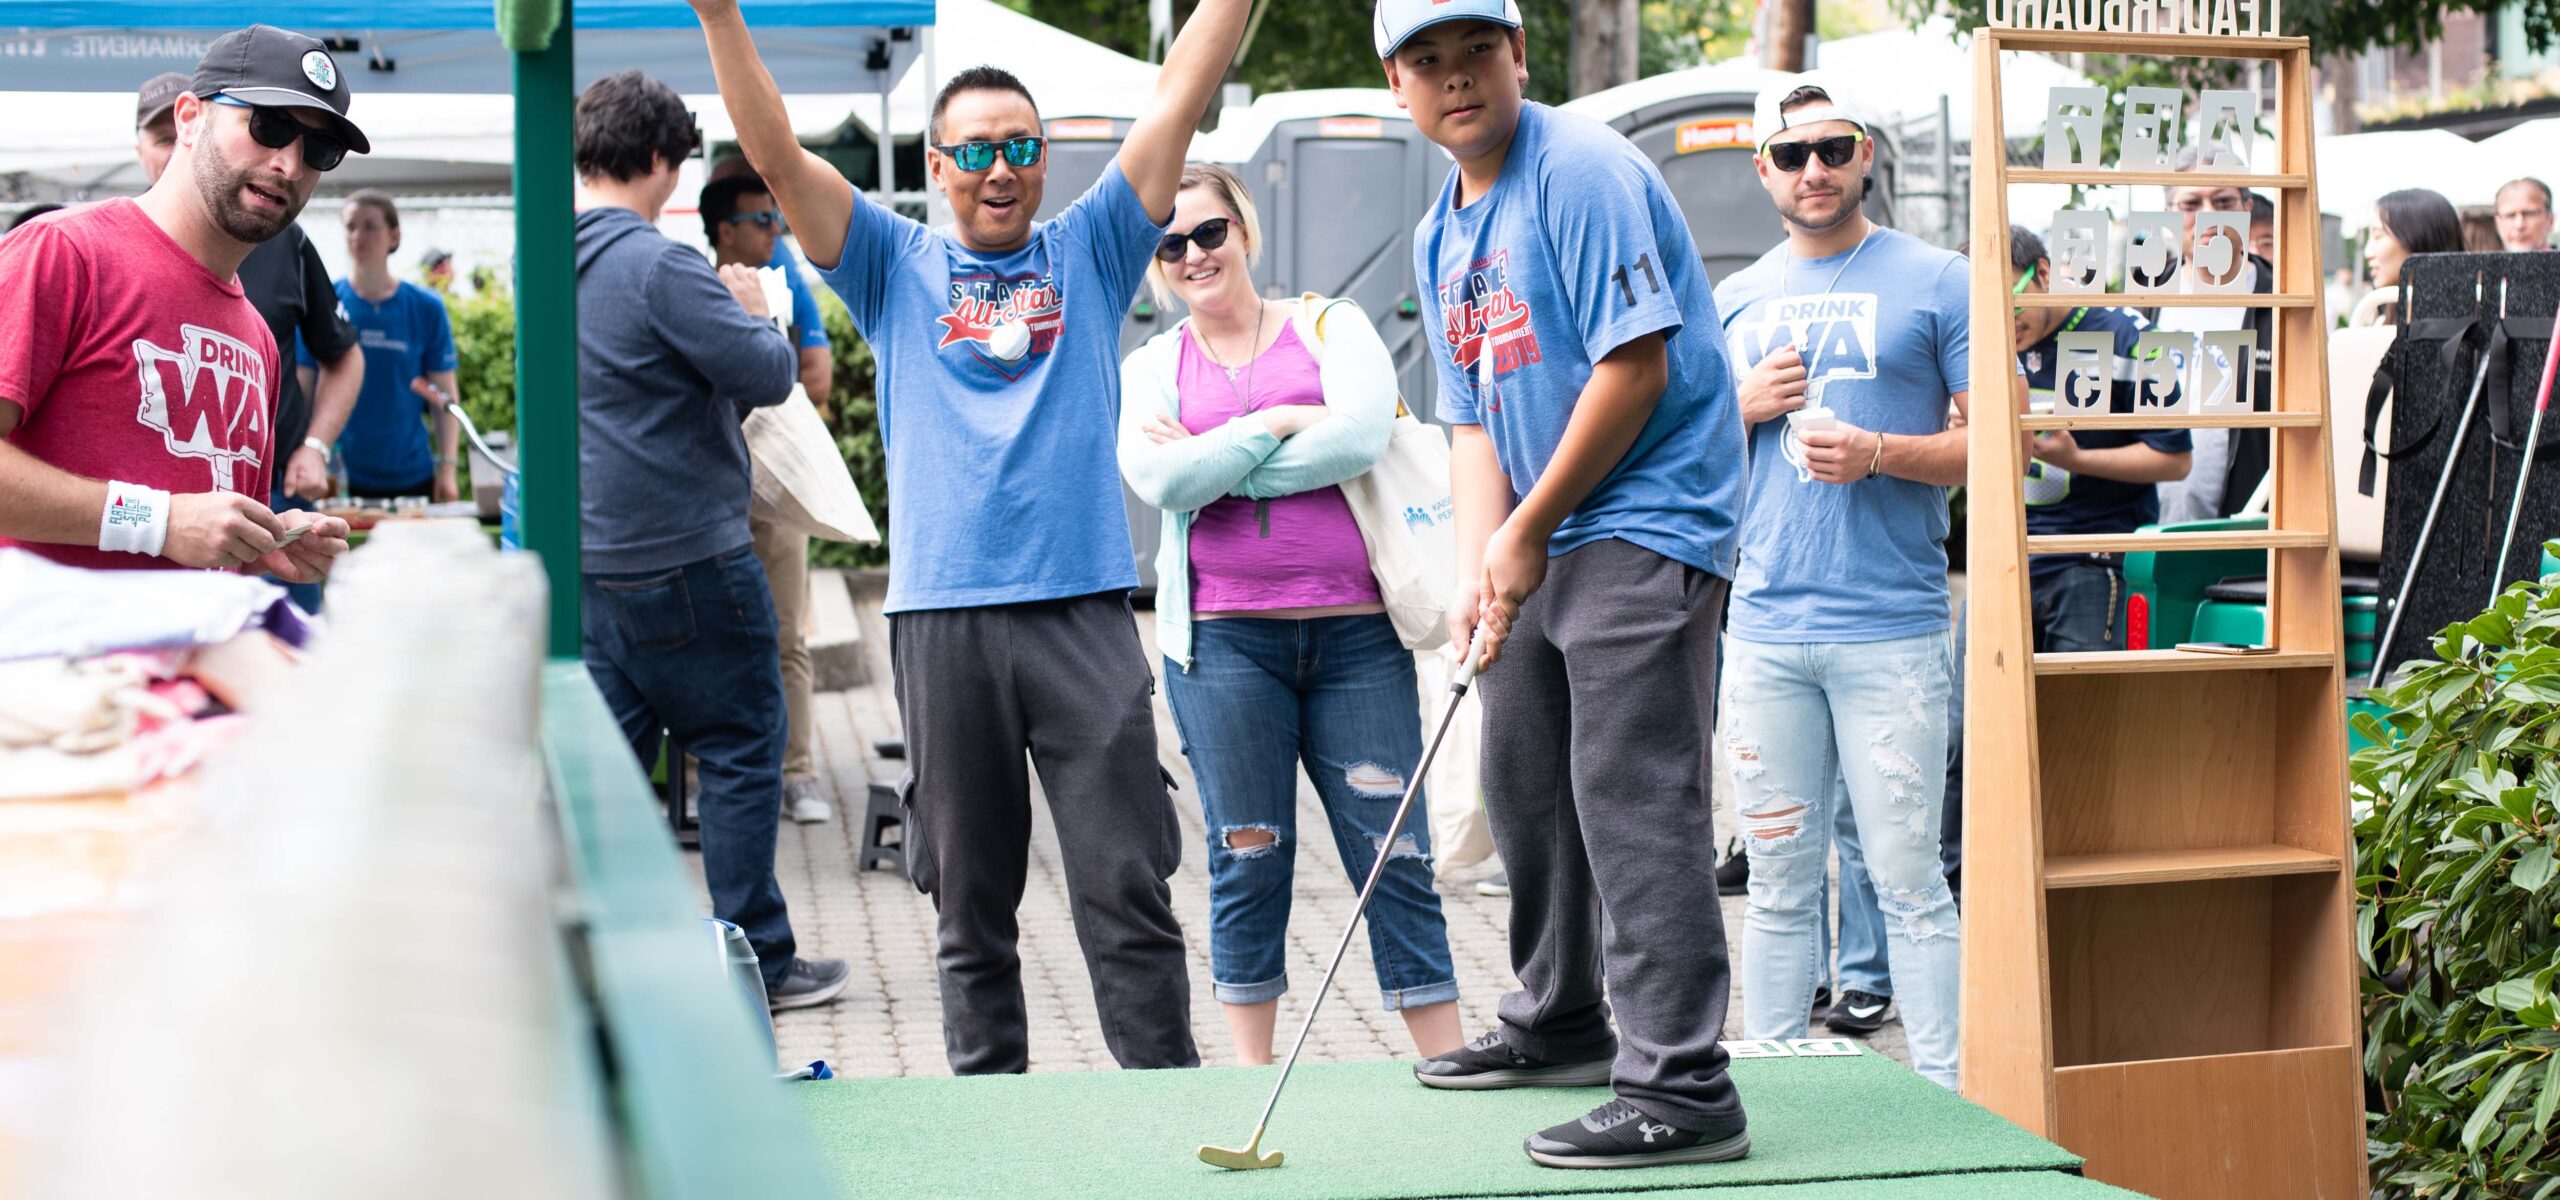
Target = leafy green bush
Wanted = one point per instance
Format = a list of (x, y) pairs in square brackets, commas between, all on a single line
[(2457, 918), (854, 417), (484, 344)]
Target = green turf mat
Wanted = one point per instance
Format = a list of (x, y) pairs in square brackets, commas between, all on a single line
[(1367, 1131), (2005, 1185)]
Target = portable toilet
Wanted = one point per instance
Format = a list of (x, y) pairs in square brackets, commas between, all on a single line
[(1342, 176), (1696, 127), (1080, 149)]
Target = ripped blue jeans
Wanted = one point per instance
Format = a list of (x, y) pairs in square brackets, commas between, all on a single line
[(1337, 695), (1797, 717)]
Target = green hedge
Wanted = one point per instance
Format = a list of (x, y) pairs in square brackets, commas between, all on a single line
[(2457, 918)]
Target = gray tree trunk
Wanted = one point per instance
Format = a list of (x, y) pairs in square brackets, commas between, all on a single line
[(1605, 36)]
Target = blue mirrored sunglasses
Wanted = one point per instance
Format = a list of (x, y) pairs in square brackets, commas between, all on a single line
[(974, 157), (768, 219)]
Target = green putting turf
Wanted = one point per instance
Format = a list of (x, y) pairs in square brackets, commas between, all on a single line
[(2005, 1185), (1367, 1131)]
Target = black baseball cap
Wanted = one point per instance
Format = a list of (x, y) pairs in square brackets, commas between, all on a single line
[(278, 68), (153, 101)]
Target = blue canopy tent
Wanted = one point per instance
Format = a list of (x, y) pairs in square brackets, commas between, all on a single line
[(674, 1059)]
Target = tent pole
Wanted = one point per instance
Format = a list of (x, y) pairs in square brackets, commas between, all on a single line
[(547, 323)]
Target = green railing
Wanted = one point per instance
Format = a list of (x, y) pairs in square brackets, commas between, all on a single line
[(695, 1108)]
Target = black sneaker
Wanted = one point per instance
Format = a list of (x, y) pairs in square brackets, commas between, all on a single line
[(1617, 1134), (1821, 1001), (1489, 1062), (1858, 1012), (809, 982), (1733, 875)]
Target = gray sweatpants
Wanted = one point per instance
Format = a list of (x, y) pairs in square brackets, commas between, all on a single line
[(1067, 682), (1595, 787)]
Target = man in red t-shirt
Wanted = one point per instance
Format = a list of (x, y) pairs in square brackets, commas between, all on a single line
[(137, 383)]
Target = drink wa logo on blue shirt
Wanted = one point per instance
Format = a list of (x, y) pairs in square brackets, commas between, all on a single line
[(1836, 334), (1481, 313), (982, 301)]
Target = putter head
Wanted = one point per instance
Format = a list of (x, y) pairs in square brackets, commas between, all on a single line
[(1238, 1160)]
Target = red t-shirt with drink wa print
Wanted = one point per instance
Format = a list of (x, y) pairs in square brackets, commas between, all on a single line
[(132, 362)]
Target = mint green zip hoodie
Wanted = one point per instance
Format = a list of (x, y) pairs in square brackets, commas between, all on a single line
[(1241, 458)]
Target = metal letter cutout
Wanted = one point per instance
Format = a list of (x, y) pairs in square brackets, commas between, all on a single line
[(2226, 126), (2077, 247), (2150, 123), (2074, 120), (2222, 253), (2151, 251), (2083, 371), (2159, 359), (2225, 378)]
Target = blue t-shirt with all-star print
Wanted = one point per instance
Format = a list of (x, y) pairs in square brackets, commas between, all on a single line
[(1577, 250), (1004, 482), (1883, 329)]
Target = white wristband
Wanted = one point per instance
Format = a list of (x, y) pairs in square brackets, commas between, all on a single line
[(136, 520)]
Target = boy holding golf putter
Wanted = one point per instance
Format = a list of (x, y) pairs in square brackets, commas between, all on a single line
[(1597, 468)]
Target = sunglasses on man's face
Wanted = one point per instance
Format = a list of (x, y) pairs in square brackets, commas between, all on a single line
[(1834, 152), (768, 219), (275, 130), (1209, 234), (974, 157)]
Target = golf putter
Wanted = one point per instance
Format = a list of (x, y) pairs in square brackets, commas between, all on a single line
[(2524, 474), (1251, 1157), (2444, 478)]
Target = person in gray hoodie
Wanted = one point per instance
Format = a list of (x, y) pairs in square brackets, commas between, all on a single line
[(678, 618)]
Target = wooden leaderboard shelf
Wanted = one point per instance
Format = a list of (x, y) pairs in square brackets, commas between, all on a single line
[(2127, 543), (2172, 420), (2137, 662), (2165, 300), (2273, 183), (2159, 941), (2125, 868)]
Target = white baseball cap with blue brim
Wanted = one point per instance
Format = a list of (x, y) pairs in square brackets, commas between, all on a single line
[(1398, 20), (1767, 122)]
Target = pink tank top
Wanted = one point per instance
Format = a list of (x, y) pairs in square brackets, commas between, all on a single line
[(1301, 551)]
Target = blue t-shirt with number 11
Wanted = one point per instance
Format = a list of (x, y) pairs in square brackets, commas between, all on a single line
[(1577, 250)]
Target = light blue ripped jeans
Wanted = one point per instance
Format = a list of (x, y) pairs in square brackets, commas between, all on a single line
[(1797, 717)]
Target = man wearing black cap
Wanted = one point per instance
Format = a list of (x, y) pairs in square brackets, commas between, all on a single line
[(137, 383), (289, 286)]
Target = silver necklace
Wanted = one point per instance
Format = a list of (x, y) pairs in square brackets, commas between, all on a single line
[(1253, 342)]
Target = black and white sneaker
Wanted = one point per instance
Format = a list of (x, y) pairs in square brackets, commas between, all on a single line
[(1859, 1013), (1489, 1062), (809, 982), (1733, 875), (1617, 1134)]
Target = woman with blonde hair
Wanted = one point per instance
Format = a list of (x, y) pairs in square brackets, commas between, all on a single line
[(1240, 423)]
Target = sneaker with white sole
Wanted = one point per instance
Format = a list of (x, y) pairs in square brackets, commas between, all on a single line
[(1858, 1013), (804, 801), (1496, 885), (1618, 1134), (1489, 1062), (809, 982)]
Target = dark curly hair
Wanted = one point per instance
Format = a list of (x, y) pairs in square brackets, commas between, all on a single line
[(627, 123)]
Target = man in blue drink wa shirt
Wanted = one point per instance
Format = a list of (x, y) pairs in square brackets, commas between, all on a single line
[(1852, 343), (1596, 463), (998, 347)]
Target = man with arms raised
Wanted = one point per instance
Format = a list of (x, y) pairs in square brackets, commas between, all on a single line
[(998, 345), (137, 383)]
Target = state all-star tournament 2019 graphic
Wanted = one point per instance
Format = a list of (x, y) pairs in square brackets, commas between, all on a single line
[(1481, 314), (1835, 333), (207, 399), (984, 301)]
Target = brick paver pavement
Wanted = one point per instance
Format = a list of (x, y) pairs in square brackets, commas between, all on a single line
[(890, 1022)]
